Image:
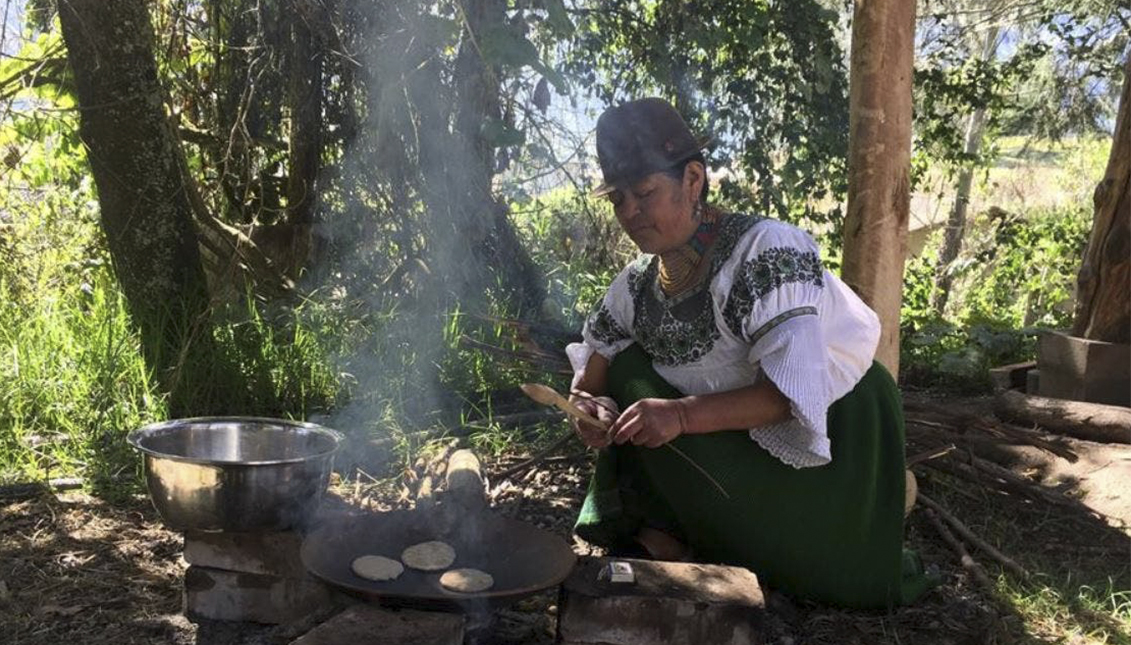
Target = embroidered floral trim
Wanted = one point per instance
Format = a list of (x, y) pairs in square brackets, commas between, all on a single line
[(771, 269), (604, 328), (682, 330)]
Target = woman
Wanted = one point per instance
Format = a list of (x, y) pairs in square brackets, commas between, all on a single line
[(731, 344)]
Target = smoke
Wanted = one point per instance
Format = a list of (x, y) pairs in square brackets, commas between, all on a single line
[(403, 217)]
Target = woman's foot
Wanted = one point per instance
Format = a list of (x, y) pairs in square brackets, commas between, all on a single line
[(661, 546)]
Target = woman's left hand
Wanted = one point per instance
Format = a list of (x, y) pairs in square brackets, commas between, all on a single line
[(650, 423)]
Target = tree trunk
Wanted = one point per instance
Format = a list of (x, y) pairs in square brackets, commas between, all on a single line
[(143, 194), (304, 98), (233, 26), (494, 244), (879, 162), (1103, 294), (956, 222)]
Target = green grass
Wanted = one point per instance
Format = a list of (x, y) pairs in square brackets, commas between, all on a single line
[(1073, 595)]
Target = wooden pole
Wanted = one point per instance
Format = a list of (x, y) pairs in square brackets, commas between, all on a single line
[(879, 162)]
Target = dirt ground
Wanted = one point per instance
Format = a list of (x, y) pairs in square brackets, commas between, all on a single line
[(76, 570)]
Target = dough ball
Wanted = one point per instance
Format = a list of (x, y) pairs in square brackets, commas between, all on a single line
[(467, 580), (377, 567), (429, 556)]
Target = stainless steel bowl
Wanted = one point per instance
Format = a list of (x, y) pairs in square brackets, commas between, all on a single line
[(236, 473)]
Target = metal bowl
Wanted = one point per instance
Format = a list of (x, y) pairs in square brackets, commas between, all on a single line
[(236, 473)]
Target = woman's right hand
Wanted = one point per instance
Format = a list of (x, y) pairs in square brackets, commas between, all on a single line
[(604, 409)]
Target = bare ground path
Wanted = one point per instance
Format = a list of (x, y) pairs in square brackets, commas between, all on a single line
[(74, 569)]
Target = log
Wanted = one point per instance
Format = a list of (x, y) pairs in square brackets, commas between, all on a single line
[(1090, 421), (465, 480)]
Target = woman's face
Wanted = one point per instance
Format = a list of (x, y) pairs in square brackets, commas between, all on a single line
[(656, 211)]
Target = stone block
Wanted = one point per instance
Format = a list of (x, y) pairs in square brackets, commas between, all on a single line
[(369, 625), (1079, 369), (1010, 377), (252, 597), (272, 554), (669, 602)]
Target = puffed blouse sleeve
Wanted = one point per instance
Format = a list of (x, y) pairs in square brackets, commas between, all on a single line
[(776, 303), (607, 331)]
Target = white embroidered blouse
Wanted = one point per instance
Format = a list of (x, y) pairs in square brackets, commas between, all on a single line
[(768, 309)]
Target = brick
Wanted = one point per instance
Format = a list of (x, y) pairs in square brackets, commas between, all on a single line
[(369, 625), (669, 602), (1009, 377), (273, 554), (1079, 369), (232, 595)]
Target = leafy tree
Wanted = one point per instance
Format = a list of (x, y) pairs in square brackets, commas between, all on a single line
[(767, 80)]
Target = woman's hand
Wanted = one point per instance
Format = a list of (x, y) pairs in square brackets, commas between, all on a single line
[(604, 409), (650, 423)]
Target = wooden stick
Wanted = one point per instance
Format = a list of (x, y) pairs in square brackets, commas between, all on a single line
[(973, 539), (968, 563), (934, 453), (552, 448), (1028, 486), (28, 490)]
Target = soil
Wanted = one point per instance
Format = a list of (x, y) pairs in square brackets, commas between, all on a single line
[(74, 569)]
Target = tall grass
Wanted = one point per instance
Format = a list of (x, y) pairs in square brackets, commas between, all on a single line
[(73, 382)]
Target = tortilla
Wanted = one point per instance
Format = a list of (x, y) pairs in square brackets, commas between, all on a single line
[(377, 567), (429, 556), (467, 580)]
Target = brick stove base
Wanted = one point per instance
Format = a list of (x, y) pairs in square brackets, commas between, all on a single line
[(669, 602), (260, 578), (252, 577), (368, 625)]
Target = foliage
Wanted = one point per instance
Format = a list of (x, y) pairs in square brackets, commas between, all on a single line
[(72, 379), (1051, 70), (766, 80), (1015, 276), (582, 247)]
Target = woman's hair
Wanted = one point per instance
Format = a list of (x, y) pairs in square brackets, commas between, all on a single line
[(676, 172)]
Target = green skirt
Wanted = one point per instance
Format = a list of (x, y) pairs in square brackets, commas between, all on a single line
[(832, 534)]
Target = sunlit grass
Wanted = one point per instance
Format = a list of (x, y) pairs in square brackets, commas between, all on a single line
[(1065, 611)]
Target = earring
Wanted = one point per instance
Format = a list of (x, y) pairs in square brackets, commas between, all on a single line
[(697, 212)]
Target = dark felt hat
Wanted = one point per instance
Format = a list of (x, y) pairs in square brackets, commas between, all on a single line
[(638, 138)]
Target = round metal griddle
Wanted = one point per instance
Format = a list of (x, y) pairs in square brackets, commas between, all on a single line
[(523, 559)]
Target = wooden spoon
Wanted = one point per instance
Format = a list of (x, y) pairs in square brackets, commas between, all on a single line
[(549, 396)]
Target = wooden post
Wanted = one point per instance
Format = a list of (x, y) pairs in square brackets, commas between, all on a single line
[(879, 162)]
